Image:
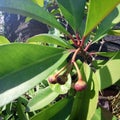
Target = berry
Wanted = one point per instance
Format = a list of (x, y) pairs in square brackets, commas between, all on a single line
[(52, 79), (61, 79), (80, 85)]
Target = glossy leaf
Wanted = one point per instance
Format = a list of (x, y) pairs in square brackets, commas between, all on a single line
[(97, 115), (42, 99), (39, 2), (109, 73), (65, 112), (73, 11), (85, 102), (50, 112), (47, 38), (110, 21), (32, 10), (3, 40), (25, 65), (62, 89), (114, 32), (97, 11)]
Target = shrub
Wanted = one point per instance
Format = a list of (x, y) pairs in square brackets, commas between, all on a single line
[(61, 84)]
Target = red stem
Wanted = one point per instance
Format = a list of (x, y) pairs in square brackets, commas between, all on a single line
[(78, 71), (62, 69), (77, 36), (87, 47), (74, 55), (71, 37), (82, 41), (78, 39)]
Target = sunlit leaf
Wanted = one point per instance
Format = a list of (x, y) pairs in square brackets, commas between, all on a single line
[(47, 38), (39, 2), (25, 65), (41, 99), (110, 21), (51, 112), (97, 11), (97, 115), (85, 102), (73, 11), (3, 40), (109, 73)]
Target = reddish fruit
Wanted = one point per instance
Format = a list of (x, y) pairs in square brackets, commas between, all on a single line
[(80, 85), (52, 79)]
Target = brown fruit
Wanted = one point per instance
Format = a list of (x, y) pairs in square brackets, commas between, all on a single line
[(61, 79)]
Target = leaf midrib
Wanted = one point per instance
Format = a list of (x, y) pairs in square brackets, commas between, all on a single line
[(32, 64)]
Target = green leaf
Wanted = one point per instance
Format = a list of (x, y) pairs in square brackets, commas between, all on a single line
[(62, 89), (85, 102), (114, 32), (64, 113), (32, 10), (21, 111), (109, 22), (106, 54), (109, 73), (42, 99), (98, 63), (114, 118), (97, 115), (39, 2), (25, 65), (97, 11), (51, 112), (3, 40), (73, 11), (47, 38)]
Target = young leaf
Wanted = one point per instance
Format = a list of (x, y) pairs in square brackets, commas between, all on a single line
[(62, 105), (85, 102), (109, 73), (73, 11), (32, 10), (25, 65), (109, 22), (42, 99), (47, 38), (97, 11)]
